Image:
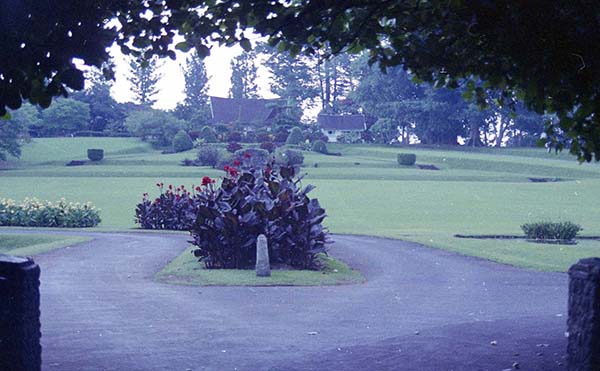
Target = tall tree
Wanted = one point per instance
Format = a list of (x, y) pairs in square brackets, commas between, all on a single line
[(143, 78), (194, 108), (335, 81), (243, 76)]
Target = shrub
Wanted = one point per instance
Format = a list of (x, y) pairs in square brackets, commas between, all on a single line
[(407, 159), (75, 163), (95, 154), (234, 136), (281, 136), (254, 201), (208, 156), (268, 146), (156, 126), (208, 135), (319, 146), (233, 146), (255, 157), (175, 208), (263, 136), (295, 136), (249, 137), (289, 157), (182, 142), (188, 162), (551, 231), (35, 213)]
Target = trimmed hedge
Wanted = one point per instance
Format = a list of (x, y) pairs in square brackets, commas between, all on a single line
[(182, 142), (95, 154), (551, 231), (319, 146), (407, 159)]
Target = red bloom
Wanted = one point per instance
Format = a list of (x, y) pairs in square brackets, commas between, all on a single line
[(206, 181), (247, 155), (233, 171), (226, 167), (198, 188), (158, 184), (170, 186), (236, 163), (157, 200), (145, 195)]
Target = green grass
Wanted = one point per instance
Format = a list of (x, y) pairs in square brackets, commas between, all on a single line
[(477, 191), (33, 244), (186, 270)]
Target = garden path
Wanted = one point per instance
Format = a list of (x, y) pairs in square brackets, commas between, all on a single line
[(420, 309)]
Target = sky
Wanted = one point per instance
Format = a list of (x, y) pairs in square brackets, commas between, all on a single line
[(171, 85)]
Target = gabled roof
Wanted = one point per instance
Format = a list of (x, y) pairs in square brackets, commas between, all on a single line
[(246, 111), (342, 122)]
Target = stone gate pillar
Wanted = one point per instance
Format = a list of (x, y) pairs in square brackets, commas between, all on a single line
[(20, 348), (583, 349)]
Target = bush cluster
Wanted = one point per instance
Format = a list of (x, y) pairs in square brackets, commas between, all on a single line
[(35, 213), (225, 220), (208, 156), (407, 159), (551, 231)]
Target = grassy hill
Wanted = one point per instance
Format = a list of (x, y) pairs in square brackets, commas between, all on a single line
[(476, 191)]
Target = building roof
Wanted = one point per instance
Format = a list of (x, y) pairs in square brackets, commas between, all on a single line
[(245, 111), (342, 122)]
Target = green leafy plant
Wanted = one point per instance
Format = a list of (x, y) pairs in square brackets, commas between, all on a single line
[(95, 154), (407, 159), (551, 231), (36, 213), (182, 142)]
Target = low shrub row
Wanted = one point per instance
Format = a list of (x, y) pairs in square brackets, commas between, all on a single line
[(565, 231), (35, 213)]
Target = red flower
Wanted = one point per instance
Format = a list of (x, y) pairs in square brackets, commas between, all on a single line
[(236, 163), (145, 195), (157, 200), (205, 181), (233, 171), (247, 155), (198, 188), (158, 184), (226, 167), (170, 186)]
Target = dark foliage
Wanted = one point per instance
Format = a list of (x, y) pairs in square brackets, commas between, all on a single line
[(233, 147), (255, 201), (289, 157), (319, 146), (182, 142), (208, 156), (407, 159), (268, 146), (95, 154)]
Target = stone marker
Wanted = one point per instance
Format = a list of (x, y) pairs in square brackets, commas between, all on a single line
[(263, 268), (20, 347), (583, 348)]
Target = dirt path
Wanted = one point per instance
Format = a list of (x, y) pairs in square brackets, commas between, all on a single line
[(421, 309)]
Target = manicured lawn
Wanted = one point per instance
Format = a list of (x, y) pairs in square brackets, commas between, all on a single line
[(476, 191), (186, 270), (28, 244)]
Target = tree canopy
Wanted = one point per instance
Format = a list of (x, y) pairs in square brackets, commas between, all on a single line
[(547, 53)]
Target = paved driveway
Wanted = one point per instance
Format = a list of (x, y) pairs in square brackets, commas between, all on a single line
[(421, 309)]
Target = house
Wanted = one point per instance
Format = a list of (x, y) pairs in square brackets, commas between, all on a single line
[(349, 126), (248, 113)]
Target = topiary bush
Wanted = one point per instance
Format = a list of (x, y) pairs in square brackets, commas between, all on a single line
[(208, 135), (253, 201), (551, 231), (319, 146), (95, 154), (182, 142), (295, 136), (289, 157), (35, 213), (208, 156), (407, 159)]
